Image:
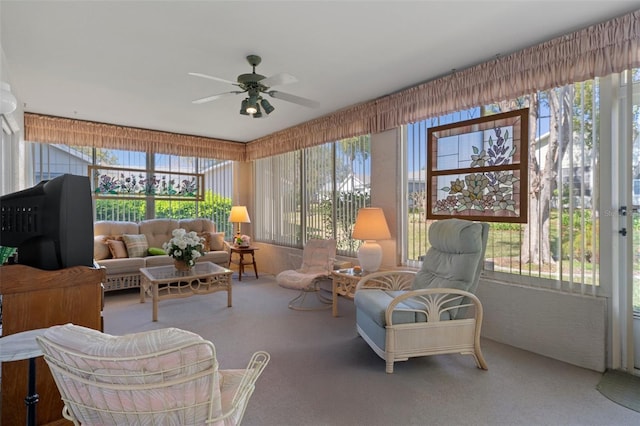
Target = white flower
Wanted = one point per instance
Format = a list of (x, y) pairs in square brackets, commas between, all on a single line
[(184, 246)]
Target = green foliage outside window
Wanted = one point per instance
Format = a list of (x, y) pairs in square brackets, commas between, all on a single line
[(214, 207), (346, 210)]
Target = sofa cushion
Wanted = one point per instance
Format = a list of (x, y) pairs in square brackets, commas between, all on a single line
[(197, 225), (100, 248), (137, 245), (118, 249), (159, 261), (158, 231), (130, 265), (216, 241), (219, 257), (113, 227), (205, 236)]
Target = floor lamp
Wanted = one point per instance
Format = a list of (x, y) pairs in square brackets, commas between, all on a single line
[(370, 226)]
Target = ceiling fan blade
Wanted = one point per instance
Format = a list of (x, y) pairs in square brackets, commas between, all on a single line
[(210, 77), (278, 80), (294, 99), (214, 97)]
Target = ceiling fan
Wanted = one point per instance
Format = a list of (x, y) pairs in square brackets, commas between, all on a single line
[(255, 85)]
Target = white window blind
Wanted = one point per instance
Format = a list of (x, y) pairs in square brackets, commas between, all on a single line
[(277, 187), (313, 193)]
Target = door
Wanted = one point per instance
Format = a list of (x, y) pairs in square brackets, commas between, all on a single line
[(629, 225)]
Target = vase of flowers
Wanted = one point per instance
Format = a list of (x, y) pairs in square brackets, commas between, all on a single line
[(185, 248), (242, 241)]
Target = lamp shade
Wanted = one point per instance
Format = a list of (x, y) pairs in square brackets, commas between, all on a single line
[(268, 108), (243, 107), (239, 214), (371, 225)]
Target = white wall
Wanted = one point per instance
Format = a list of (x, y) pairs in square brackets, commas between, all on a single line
[(567, 327), (384, 188)]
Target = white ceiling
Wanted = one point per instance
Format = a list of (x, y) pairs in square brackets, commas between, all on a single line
[(126, 62)]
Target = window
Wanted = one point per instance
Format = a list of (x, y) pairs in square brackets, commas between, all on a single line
[(313, 193), (560, 241), (415, 141), (51, 160), (277, 188)]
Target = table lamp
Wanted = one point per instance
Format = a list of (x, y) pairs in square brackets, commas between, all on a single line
[(239, 215), (370, 226)]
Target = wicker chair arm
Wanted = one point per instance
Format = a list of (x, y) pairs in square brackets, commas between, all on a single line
[(388, 280), (435, 302), (254, 369)]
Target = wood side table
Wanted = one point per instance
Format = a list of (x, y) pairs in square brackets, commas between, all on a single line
[(241, 261)]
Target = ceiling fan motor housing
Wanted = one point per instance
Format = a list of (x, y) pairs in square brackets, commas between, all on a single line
[(248, 79)]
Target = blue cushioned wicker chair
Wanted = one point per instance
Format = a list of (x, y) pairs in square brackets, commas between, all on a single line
[(403, 314)]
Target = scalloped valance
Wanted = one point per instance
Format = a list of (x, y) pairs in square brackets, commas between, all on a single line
[(49, 129)]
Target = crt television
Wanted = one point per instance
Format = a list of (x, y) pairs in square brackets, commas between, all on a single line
[(51, 224)]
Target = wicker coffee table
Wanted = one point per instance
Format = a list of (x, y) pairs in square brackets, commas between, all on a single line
[(166, 282)]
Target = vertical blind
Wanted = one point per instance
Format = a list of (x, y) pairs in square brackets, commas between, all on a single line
[(313, 193)]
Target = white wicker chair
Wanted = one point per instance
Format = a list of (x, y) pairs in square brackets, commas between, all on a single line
[(317, 263), (404, 314), (160, 377)]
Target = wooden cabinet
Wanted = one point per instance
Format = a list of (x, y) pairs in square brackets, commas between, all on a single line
[(34, 298)]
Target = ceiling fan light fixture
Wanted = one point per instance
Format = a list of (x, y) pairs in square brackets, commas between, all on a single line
[(252, 105), (258, 113), (243, 107), (268, 108)]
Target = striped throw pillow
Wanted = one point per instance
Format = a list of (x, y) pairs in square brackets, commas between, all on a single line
[(137, 244)]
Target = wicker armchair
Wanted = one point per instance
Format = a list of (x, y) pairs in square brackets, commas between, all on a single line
[(160, 377), (404, 314)]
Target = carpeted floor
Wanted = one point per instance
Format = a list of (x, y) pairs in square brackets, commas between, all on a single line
[(622, 388), (322, 373)]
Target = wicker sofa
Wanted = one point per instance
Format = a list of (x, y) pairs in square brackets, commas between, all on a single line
[(123, 271)]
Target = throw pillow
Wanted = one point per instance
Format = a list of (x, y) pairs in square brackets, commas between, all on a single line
[(100, 248), (117, 248), (156, 251), (137, 245), (216, 241), (206, 241)]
